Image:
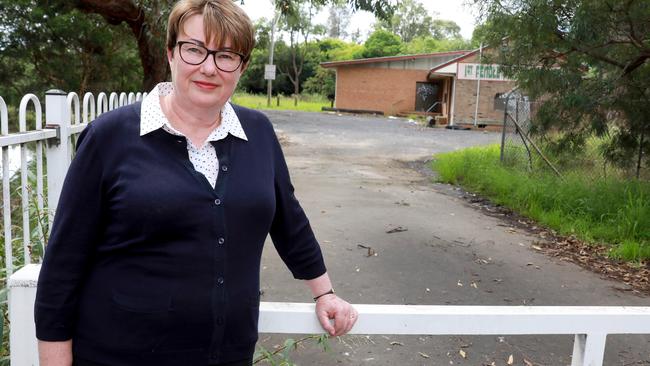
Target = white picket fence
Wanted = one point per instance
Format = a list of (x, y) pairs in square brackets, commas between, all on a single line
[(590, 324), (64, 118)]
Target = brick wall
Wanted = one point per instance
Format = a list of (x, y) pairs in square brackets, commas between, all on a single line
[(378, 89), (465, 95), (465, 104)]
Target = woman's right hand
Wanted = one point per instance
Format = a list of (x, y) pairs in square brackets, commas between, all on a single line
[(55, 353)]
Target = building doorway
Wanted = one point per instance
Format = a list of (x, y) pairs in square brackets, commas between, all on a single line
[(427, 97)]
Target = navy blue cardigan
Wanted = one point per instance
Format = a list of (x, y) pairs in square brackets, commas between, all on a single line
[(147, 264)]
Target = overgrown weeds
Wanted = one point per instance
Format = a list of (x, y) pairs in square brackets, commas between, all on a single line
[(609, 210)]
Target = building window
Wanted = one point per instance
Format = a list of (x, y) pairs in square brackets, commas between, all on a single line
[(500, 101)]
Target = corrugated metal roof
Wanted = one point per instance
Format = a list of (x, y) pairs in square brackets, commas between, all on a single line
[(391, 58), (457, 59)]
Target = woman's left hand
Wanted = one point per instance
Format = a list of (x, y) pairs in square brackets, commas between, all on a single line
[(333, 307)]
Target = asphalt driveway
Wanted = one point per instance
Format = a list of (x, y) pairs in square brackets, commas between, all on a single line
[(359, 177)]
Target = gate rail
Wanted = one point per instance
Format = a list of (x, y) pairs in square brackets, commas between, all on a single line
[(589, 324)]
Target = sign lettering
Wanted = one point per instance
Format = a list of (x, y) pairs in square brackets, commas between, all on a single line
[(467, 71), (269, 72)]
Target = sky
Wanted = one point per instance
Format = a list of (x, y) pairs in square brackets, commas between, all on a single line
[(440, 9)]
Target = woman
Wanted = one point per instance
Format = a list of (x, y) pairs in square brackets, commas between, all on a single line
[(155, 249)]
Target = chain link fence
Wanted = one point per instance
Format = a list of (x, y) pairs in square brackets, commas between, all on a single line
[(522, 150)]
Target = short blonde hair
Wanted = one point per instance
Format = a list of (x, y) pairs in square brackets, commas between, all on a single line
[(222, 20)]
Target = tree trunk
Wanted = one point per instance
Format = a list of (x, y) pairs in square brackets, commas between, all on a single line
[(640, 160), (149, 34), (296, 92)]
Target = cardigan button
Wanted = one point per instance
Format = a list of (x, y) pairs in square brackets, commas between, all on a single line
[(220, 280), (217, 202), (224, 168), (221, 241)]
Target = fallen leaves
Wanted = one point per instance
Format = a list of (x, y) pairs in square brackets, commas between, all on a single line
[(511, 360), (424, 355), (595, 258), (462, 353), (589, 256)]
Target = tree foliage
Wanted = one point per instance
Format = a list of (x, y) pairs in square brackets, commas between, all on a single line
[(445, 29), (45, 46), (429, 45), (412, 20), (323, 82), (588, 62), (338, 20), (383, 9), (382, 43), (299, 27)]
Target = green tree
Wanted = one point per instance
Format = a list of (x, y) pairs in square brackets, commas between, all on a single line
[(382, 43), (252, 81), (445, 29), (430, 44), (338, 20), (298, 25), (411, 19), (588, 61), (333, 49), (48, 46), (323, 82)]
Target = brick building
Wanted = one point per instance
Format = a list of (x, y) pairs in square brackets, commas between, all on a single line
[(443, 84)]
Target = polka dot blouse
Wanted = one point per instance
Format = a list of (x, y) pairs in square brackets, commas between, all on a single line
[(203, 158)]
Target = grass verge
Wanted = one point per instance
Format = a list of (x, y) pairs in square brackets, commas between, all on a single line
[(603, 210), (306, 103)]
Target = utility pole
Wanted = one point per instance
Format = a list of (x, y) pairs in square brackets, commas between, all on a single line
[(478, 83), (269, 70)]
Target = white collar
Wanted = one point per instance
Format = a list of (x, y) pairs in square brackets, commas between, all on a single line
[(153, 118)]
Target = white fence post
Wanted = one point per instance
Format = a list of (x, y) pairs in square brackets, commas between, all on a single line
[(22, 333), (589, 349), (57, 115)]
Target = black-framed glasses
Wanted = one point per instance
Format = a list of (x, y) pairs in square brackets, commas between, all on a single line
[(194, 54)]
